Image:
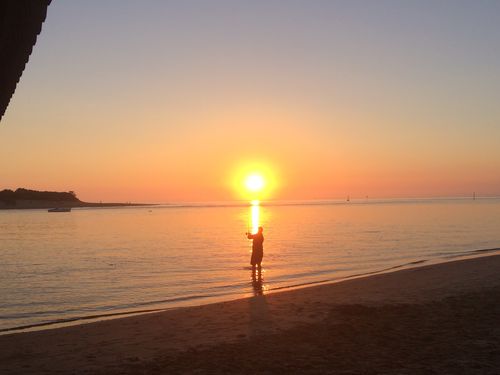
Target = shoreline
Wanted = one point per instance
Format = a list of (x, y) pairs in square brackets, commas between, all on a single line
[(44, 205), (176, 338), (89, 319), (239, 203)]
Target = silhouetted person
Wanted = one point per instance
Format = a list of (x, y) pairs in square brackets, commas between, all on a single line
[(257, 248)]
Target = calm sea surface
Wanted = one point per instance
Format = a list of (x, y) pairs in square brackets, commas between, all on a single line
[(98, 262)]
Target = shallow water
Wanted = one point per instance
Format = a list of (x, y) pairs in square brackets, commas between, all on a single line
[(95, 262)]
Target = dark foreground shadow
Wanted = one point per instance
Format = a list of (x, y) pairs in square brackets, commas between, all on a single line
[(260, 317), (458, 335)]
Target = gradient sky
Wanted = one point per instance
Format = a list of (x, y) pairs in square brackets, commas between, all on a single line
[(158, 101)]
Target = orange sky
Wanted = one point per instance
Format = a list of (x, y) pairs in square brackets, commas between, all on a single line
[(163, 103)]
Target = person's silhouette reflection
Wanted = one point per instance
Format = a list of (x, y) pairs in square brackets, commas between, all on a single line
[(257, 281)]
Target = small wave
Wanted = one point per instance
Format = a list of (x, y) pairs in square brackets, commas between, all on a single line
[(483, 250), (76, 319), (388, 269), (132, 311), (456, 254)]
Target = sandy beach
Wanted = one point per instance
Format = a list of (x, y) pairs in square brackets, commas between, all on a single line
[(439, 319)]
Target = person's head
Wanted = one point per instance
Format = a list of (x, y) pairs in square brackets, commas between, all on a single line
[(261, 229)]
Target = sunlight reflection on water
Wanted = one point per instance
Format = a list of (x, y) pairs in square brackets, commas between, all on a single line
[(255, 215)]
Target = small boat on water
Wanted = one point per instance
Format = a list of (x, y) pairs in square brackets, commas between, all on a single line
[(60, 209)]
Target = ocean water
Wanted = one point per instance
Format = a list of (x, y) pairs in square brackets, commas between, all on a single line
[(100, 262)]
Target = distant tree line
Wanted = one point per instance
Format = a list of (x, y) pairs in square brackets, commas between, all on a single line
[(10, 196)]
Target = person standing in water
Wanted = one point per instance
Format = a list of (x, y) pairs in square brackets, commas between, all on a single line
[(257, 248)]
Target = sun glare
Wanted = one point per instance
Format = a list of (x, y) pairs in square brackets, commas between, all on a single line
[(255, 183), (254, 180)]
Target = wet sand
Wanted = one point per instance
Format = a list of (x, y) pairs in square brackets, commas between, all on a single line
[(441, 319)]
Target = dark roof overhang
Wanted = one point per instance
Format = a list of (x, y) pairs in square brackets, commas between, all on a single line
[(20, 23)]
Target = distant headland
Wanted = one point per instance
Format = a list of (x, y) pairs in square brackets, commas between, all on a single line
[(25, 199)]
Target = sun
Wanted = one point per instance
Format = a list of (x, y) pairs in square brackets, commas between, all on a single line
[(255, 183), (254, 180)]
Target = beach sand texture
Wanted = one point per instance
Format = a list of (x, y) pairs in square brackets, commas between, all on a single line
[(442, 319)]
